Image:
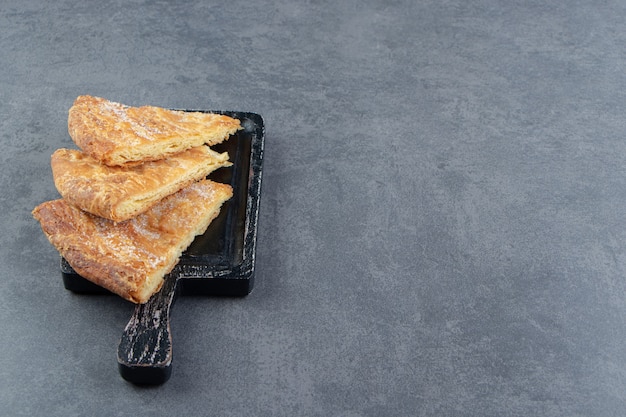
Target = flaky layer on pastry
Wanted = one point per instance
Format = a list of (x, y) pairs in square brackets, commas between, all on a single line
[(131, 258), (122, 192), (116, 134)]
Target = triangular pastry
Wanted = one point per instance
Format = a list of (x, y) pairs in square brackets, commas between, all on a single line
[(131, 258), (121, 192), (116, 134)]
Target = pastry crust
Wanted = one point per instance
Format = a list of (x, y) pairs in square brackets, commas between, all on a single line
[(122, 192), (116, 134), (131, 258)]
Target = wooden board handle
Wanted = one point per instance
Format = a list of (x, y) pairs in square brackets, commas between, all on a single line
[(144, 354)]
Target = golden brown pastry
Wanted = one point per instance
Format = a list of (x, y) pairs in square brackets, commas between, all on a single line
[(116, 134), (121, 192), (131, 258)]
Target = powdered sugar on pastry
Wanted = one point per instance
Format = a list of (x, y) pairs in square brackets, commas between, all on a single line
[(117, 134), (131, 258), (121, 192)]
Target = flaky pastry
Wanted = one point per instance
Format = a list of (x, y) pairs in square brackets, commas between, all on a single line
[(131, 258), (117, 134), (121, 192)]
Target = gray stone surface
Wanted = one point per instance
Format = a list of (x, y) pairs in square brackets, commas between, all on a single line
[(442, 219)]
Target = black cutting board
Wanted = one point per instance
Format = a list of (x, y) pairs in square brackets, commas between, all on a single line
[(218, 262)]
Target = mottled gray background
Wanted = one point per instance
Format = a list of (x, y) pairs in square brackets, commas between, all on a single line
[(442, 220)]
